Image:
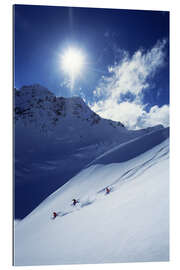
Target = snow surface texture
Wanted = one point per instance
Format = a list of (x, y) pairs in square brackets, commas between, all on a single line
[(57, 137), (130, 224)]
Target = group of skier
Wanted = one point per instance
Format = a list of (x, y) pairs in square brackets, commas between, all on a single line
[(74, 202)]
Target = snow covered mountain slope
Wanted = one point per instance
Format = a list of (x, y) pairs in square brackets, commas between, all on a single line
[(132, 148), (130, 224), (56, 137)]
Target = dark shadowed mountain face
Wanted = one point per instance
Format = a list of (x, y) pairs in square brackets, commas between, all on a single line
[(56, 137)]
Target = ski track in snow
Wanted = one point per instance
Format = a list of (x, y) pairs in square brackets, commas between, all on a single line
[(129, 175), (131, 221)]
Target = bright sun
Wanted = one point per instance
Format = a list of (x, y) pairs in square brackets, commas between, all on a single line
[(72, 63)]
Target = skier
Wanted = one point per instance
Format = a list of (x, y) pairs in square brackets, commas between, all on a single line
[(54, 215), (74, 201), (108, 190)]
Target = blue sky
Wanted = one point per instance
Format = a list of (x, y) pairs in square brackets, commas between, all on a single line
[(126, 71)]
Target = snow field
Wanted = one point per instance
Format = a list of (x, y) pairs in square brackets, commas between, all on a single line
[(131, 224)]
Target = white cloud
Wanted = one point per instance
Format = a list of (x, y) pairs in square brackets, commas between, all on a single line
[(131, 75), (157, 115), (133, 115)]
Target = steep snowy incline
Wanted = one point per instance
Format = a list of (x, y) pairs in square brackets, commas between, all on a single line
[(51, 132), (130, 224), (132, 148)]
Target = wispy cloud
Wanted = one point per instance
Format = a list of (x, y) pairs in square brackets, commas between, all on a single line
[(131, 76), (156, 115)]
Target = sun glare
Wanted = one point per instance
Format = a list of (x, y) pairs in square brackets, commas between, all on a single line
[(72, 63)]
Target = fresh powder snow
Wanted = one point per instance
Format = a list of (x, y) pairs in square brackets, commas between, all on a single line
[(130, 224)]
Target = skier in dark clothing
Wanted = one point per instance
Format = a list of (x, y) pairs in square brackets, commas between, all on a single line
[(108, 190), (74, 201), (54, 215)]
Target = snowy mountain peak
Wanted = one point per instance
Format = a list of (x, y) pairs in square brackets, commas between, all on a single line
[(35, 90), (36, 106)]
